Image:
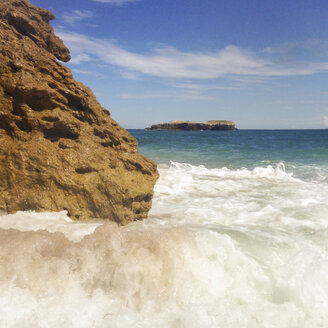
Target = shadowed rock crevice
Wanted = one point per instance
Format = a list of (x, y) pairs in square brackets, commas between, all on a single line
[(61, 130), (23, 125), (60, 150), (50, 119), (84, 170), (107, 144)]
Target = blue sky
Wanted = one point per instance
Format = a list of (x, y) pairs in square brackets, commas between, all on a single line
[(259, 63)]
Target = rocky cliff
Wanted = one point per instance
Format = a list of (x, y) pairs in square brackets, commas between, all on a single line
[(214, 125), (59, 149)]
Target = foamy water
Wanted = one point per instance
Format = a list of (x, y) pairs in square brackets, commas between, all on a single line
[(221, 248)]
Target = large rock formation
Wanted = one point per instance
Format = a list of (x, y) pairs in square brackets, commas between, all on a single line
[(59, 149), (213, 125)]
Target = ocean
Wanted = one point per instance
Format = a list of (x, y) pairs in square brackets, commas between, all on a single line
[(237, 237)]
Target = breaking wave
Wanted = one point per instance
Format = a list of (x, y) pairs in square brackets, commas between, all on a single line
[(221, 248)]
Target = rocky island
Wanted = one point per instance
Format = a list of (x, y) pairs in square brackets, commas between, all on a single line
[(59, 148), (194, 126)]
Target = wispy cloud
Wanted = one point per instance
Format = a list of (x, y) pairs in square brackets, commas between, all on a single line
[(301, 49), (129, 75), (91, 73), (116, 2), (246, 80), (76, 16), (325, 120), (200, 88), (164, 95), (80, 58), (169, 62)]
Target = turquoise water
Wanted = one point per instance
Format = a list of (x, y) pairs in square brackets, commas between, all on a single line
[(299, 150)]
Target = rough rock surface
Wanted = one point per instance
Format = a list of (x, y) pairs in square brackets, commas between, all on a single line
[(194, 126), (59, 149)]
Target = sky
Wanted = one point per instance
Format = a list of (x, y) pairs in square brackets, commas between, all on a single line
[(260, 63)]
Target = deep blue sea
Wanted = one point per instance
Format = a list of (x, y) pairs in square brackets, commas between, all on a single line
[(237, 237)]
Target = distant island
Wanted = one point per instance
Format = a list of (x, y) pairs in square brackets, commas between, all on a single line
[(194, 126)]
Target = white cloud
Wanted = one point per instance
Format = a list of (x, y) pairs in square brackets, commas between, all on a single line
[(169, 62), (248, 79), (325, 119), (116, 2), (199, 88), (129, 75), (164, 95), (79, 59), (308, 48), (76, 16), (91, 73)]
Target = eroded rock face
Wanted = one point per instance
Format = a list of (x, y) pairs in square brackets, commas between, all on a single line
[(59, 149)]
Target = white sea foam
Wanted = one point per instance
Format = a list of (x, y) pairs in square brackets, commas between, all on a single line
[(49, 221), (221, 248)]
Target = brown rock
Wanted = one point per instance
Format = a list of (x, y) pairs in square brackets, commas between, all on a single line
[(213, 125), (59, 149)]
